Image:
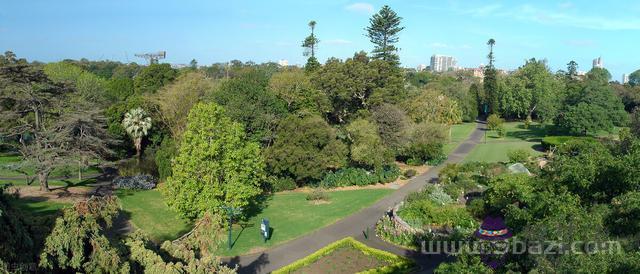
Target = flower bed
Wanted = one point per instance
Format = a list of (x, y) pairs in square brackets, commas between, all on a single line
[(349, 256)]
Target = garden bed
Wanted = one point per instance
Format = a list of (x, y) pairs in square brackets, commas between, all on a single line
[(349, 256)]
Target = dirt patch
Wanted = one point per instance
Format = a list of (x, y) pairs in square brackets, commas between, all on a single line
[(319, 202), (343, 260), (64, 195)]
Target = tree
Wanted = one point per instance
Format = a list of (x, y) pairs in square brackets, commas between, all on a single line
[(305, 148), (294, 87), (572, 69), (137, 124), (176, 99), (366, 145), (382, 31), (426, 143), (193, 65), (490, 83), (431, 106), (49, 128), (599, 75), (309, 44), (77, 242), (216, 165), (635, 122), (153, 77), (312, 65), (393, 126), (634, 78), (246, 99)]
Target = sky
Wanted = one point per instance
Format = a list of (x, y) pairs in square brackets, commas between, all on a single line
[(218, 31)]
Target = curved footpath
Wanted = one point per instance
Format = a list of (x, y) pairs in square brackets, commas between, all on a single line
[(354, 225)]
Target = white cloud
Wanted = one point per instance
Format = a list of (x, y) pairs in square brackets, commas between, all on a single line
[(484, 10), (439, 45), (360, 7), (337, 42)]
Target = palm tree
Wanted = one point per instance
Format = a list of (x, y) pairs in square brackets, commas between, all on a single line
[(491, 43), (137, 124)]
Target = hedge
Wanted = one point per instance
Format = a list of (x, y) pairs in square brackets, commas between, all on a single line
[(555, 141), (360, 177), (398, 264)]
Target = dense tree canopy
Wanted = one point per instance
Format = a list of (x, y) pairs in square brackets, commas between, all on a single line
[(216, 165)]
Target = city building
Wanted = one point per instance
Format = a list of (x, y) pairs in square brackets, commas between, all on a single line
[(597, 63), (421, 67), (441, 63), (625, 78), (283, 63)]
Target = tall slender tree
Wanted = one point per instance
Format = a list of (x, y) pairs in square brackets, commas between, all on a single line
[(491, 80), (309, 44), (383, 32), (137, 124), (572, 69)]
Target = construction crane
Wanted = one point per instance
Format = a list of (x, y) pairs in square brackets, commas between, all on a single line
[(153, 57)]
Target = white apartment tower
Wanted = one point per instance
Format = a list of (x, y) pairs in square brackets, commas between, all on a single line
[(625, 78), (441, 63), (597, 63)]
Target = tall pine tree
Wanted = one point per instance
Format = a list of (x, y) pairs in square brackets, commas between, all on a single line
[(491, 82), (309, 44), (383, 32)]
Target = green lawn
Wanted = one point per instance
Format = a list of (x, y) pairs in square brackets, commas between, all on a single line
[(52, 183), (38, 208), (459, 133), (291, 216), (517, 137), (147, 211)]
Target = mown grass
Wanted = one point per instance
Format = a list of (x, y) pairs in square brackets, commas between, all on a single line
[(459, 133)]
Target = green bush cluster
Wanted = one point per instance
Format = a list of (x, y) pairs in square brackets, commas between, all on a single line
[(281, 183), (317, 195), (550, 142), (360, 177), (421, 213), (518, 155), (409, 173)]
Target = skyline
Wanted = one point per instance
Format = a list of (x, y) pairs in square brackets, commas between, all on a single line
[(260, 32)]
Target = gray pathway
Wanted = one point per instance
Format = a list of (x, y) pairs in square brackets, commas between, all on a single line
[(355, 224)]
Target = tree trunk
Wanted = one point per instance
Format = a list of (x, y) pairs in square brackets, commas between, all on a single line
[(138, 144), (80, 171), (43, 177)]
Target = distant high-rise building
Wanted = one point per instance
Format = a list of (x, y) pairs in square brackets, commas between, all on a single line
[(625, 78), (421, 67), (597, 63), (441, 63), (283, 63)]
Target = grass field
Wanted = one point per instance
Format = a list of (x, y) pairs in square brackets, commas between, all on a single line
[(38, 208), (459, 133), (52, 183), (291, 216), (148, 212), (517, 137)]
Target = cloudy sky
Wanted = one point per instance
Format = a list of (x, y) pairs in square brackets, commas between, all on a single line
[(218, 31)]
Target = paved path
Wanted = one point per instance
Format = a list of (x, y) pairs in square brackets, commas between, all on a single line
[(355, 224)]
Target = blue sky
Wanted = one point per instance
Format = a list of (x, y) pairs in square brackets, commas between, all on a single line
[(217, 31)]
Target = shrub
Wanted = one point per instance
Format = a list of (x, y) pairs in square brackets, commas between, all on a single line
[(422, 213), (439, 197), (132, 167), (409, 173), (476, 208), (501, 131), (359, 177), (281, 183), (165, 153), (143, 182), (518, 155), (494, 122), (317, 195), (550, 142)]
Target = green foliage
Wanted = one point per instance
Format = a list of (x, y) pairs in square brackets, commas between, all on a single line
[(281, 183), (432, 106), (508, 189), (635, 122), (383, 31), (360, 177), (304, 149), (77, 241), (426, 144), (421, 213), (119, 89), (247, 100), (294, 87), (163, 157), (551, 142), (312, 65), (409, 173), (151, 78), (317, 194), (216, 165), (393, 126), (494, 122), (477, 208), (466, 263), (625, 215), (366, 145), (518, 155), (634, 78), (17, 245)]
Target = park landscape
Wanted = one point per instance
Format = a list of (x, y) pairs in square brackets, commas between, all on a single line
[(112, 167)]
